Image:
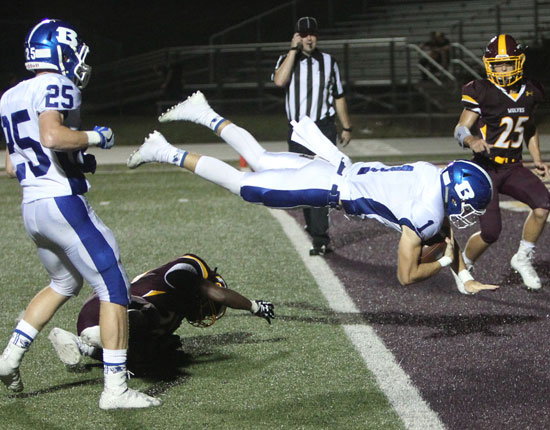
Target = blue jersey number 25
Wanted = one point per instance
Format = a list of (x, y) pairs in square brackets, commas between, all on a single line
[(12, 134)]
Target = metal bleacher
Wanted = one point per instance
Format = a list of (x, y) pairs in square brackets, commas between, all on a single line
[(378, 49)]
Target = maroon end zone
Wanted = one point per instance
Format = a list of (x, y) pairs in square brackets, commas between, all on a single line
[(479, 361)]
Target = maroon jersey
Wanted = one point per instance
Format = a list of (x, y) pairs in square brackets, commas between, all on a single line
[(165, 296), (506, 119)]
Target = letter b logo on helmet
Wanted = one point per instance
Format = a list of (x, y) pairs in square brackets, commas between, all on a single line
[(67, 36)]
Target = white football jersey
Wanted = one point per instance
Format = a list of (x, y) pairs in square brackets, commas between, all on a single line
[(409, 195), (42, 172)]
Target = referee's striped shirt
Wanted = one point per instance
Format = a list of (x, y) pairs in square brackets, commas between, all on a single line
[(315, 83)]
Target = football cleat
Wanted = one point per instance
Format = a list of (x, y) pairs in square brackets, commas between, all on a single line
[(129, 399), (65, 345), (9, 374), (521, 262), (155, 148), (195, 109)]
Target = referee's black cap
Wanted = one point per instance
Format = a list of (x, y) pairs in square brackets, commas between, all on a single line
[(306, 25)]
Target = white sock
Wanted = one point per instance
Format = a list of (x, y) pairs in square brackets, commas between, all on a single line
[(525, 246), (215, 122), (177, 157), (114, 369), (467, 261), (220, 173), (244, 143), (24, 334), (209, 118)]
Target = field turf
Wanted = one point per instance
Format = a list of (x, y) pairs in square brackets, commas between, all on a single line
[(300, 372)]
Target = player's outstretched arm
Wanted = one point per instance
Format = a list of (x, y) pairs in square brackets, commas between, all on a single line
[(234, 300)]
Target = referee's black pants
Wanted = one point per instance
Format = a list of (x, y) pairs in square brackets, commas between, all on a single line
[(316, 219)]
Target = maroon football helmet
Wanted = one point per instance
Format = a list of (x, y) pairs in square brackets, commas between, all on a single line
[(504, 49), (208, 312)]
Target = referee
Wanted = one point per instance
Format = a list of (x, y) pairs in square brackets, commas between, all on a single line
[(311, 79)]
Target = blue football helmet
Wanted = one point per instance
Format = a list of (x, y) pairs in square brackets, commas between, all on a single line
[(54, 45), (467, 190)]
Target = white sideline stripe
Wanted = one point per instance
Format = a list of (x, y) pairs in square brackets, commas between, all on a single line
[(392, 380)]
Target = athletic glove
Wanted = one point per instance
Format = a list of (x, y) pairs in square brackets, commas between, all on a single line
[(263, 309), (102, 137), (86, 162)]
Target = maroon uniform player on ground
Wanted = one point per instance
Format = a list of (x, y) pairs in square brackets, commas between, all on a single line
[(161, 299), (498, 118)]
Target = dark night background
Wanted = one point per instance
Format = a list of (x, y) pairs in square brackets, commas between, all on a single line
[(115, 29)]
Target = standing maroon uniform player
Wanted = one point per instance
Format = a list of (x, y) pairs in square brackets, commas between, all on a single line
[(498, 118)]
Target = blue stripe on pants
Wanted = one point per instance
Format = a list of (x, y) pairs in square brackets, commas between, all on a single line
[(75, 212), (285, 198)]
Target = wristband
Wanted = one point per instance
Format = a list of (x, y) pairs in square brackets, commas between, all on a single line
[(94, 138), (461, 133), (465, 276), (350, 129), (294, 48), (445, 261), (254, 308)]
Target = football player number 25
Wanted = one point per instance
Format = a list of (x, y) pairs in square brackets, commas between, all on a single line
[(13, 137), (57, 98), (503, 140)]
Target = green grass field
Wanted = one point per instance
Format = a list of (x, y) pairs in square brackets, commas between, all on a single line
[(241, 373)]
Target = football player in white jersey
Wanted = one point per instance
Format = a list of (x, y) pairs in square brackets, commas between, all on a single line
[(415, 199), (40, 119)]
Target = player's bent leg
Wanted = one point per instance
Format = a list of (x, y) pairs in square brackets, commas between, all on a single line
[(113, 323), (534, 225), (474, 248), (43, 306)]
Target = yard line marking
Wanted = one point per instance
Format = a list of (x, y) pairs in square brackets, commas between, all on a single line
[(392, 380)]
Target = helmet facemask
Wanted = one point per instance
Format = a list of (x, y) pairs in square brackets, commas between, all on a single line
[(504, 49), (82, 71), (467, 217), (504, 79)]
